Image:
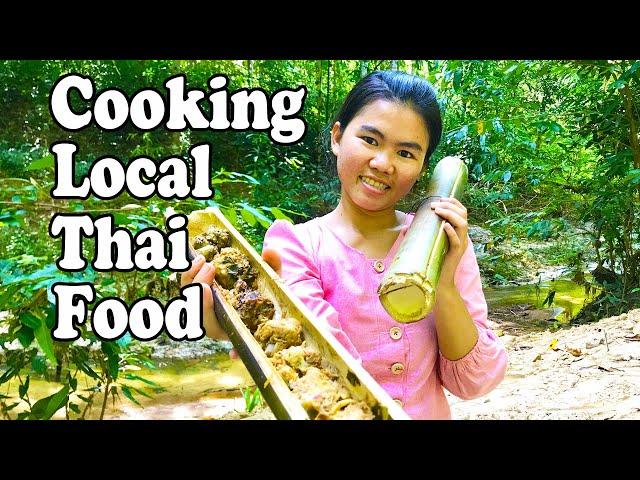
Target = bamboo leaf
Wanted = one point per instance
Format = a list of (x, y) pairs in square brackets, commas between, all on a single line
[(46, 407), (43, 336), (129, 395)]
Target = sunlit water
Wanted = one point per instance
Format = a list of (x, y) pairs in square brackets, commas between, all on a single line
[(569, 295), (207, 387)]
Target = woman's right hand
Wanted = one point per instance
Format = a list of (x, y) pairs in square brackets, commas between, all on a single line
[(203, 272)]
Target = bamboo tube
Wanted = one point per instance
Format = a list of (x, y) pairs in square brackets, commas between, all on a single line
[(407, 291)]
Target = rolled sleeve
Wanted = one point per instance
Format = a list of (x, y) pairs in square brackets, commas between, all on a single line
[(484, 367)]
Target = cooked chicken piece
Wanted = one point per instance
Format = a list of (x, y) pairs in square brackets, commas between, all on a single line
[(278, 334), (251, 305), (318, 393), (254, 309), (352, 411), (208, 251), (216, 237), (299, 357), (231, 265), (287, 373)]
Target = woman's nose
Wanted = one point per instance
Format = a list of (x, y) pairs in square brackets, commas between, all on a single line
[(382, 162)]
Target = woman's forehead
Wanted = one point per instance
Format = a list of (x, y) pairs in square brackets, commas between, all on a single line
[(396, 120)]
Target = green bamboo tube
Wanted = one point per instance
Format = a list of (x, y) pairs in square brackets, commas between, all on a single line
[(407, 291)]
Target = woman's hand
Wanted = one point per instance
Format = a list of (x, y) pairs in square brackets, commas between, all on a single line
[(203, 273), (457, 228)]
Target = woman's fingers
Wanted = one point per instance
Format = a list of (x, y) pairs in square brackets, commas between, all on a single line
[(272, 257), (452, 215), (207, 297), (448, 205), (455, 202), (187, 277), (206, 274), (454, 239)]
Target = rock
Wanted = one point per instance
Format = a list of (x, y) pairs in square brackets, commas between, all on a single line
[(479, 235), (636, 329), (593, 342), (544, 313)]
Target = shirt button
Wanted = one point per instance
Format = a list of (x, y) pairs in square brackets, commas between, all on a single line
[(398, 401), (395, 333), (397, 368), (378, 266)]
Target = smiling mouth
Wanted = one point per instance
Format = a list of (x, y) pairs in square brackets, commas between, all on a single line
[(375, 184)]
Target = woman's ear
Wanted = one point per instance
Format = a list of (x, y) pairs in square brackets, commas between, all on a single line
[(336, 135)]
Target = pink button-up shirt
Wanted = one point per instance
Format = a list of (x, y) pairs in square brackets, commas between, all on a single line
[(338, 283)]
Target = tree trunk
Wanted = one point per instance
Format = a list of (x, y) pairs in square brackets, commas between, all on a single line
[(635, 150), (249, 67), (363, 68), (633, 128), (327, 96)]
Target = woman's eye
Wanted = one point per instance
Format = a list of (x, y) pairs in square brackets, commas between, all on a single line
[(405, 154), (370, 140)]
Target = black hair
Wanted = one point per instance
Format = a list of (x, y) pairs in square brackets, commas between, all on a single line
[(392, 85)]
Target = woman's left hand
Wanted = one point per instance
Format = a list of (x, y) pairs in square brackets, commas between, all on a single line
[(456, 228)]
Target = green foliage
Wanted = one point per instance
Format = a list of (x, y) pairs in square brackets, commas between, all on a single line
[(549, 145), (252, 398)]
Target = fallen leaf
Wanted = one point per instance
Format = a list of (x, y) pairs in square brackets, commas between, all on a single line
[(554, 344), (576, 352)]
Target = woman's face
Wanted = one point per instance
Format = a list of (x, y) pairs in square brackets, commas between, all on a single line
[(380, 154)]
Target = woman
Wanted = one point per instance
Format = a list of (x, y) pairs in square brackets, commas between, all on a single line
[(383, 136)]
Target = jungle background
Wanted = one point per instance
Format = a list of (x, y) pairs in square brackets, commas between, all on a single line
[(554, 198)]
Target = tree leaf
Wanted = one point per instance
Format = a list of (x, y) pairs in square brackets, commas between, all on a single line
[(259, 216), (39, 364), (43, 336), (24, 388), (46, 407), (248, 217), (231, 215), (112, 350), (25, 335), (127, 393), (278, 214), (29, 320), (132, 376), (45, 162)]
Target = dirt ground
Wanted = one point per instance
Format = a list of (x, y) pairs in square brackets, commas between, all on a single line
[(589, 371)]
